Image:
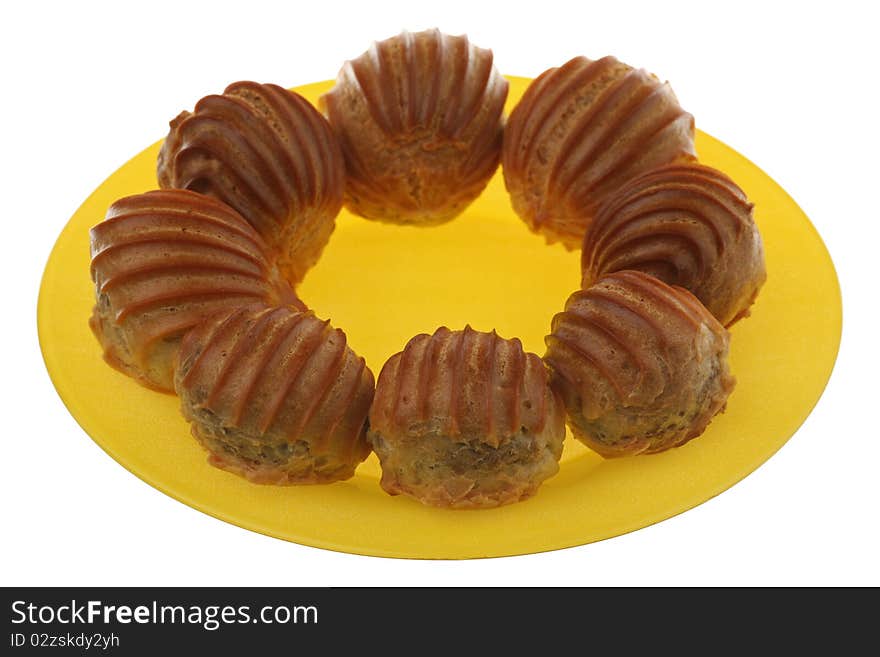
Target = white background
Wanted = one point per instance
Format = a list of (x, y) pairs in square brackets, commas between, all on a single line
[(85, 86)]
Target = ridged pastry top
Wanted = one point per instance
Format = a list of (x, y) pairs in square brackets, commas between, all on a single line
[(581, 131), (166, 260), (419, 118), (689, 225), (627, 340), (274, 370), (462, 384), (266, 152)]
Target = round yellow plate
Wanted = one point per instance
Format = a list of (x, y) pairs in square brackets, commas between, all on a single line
[(383, 284)]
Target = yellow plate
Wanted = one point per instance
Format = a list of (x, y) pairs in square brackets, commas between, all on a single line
[(383, 284)]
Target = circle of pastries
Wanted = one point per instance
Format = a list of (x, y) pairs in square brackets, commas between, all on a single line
[(193, 281)]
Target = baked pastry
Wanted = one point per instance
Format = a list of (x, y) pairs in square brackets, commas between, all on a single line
[(419, 118), (464, 419), (164, 261), (275, 396), (579, 133), (269, 154), (687, 224), (641, 366)]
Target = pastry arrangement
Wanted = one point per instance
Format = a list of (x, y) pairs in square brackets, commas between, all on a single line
[(195, 282)]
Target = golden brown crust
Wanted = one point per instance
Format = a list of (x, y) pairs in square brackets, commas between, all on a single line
[(276, 396), (269, 154), (641, 366), (164, 261), (465, 419), (689, 225), (581, 131), (419, 119)]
